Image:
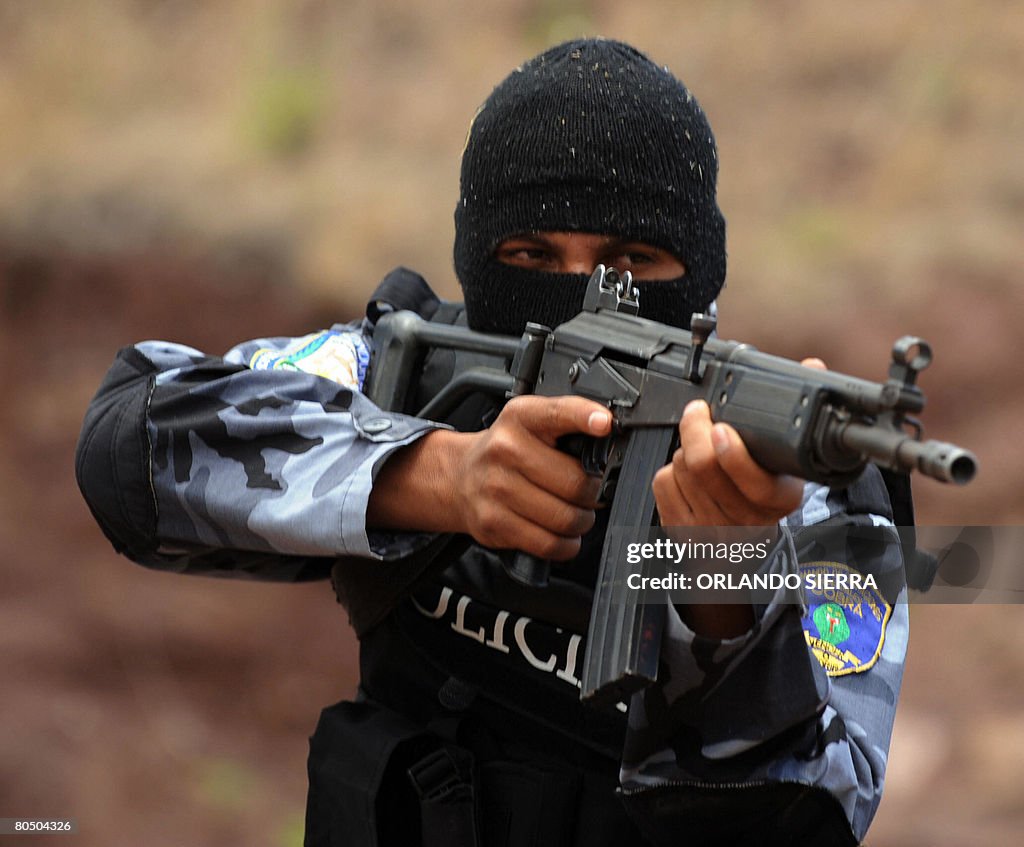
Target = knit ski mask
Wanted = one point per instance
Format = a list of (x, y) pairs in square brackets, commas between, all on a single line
[(590, 136)]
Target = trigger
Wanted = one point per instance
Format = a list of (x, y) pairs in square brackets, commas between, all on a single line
[(594, 457)]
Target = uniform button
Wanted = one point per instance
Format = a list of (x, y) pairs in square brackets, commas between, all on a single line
[(376, 425)]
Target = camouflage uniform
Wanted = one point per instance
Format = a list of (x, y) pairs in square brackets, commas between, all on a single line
[(261, 464)]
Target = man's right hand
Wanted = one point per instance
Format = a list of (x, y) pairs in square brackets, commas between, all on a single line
[(508, 486)]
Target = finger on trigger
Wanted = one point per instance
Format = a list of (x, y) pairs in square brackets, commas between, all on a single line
[(564, 415)]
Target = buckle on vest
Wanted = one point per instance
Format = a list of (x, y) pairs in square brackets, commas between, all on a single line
[(435, 776)]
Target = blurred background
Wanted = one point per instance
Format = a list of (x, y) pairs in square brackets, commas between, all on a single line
[(219, 170)]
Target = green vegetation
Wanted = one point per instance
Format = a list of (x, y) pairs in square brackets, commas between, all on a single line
[(284, 111)]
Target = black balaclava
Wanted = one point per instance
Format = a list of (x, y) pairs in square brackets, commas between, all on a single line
[(590, 136)]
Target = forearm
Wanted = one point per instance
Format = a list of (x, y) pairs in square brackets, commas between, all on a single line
[(761, 709), (735, 690), (416, 487), (717, 620), (726, 620)]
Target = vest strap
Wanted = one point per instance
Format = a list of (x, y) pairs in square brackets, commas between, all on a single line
[(444, 784)]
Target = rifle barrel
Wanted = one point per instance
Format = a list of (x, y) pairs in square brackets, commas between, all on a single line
[(902, 452)]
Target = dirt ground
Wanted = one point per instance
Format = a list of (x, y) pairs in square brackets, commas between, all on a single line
[(161, 180)]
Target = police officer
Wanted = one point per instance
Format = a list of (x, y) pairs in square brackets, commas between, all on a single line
[(467, 729)]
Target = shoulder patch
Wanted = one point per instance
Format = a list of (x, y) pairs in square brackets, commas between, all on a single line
[(339, 356), (845, 620)]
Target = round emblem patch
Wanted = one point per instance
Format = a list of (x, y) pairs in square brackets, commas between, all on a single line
[(845, 621)]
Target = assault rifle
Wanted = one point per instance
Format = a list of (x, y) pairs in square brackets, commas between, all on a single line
[(816, 424)]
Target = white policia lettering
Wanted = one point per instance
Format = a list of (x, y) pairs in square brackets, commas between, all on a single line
[(562, 665)]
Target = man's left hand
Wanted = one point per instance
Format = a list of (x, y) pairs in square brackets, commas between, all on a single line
[(713, 481)]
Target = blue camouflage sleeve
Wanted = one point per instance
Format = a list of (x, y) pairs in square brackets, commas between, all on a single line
[(270, 449), (803, 704)]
